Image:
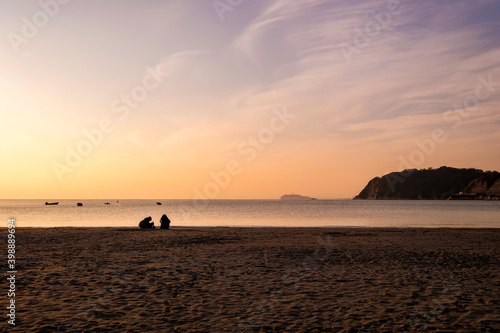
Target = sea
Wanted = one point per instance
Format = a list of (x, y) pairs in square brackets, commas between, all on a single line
[(252, 213)]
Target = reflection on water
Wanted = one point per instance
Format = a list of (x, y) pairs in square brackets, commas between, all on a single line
[(318, 213)]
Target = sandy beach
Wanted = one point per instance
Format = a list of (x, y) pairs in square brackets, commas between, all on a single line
[(257, 280)]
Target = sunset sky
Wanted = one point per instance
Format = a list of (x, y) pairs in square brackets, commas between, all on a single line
[(155, 99)]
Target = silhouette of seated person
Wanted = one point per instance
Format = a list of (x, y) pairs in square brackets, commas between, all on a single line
[(146, 223), (165, 222)]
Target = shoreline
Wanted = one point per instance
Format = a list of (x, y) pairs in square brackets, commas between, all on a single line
[(261, 227)]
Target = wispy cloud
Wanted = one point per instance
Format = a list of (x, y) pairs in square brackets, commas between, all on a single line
[(428, 57)]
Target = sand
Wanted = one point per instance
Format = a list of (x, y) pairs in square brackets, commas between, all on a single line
[(257, 280)]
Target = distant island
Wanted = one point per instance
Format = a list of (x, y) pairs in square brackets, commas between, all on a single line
[(435, 184), (295, 197)]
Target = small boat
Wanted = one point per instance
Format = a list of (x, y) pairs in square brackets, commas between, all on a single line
[(79, 204), (107, 203), (51, 203), (158, 203)]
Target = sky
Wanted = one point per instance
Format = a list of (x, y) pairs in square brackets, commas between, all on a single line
[(240, 99)]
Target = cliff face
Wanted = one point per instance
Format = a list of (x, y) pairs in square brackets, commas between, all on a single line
[(440, 183), (488, 184)]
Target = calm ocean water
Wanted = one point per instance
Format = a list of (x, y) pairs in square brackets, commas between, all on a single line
[(276, 213)]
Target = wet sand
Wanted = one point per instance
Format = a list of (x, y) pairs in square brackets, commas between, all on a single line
[(257, 280)]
